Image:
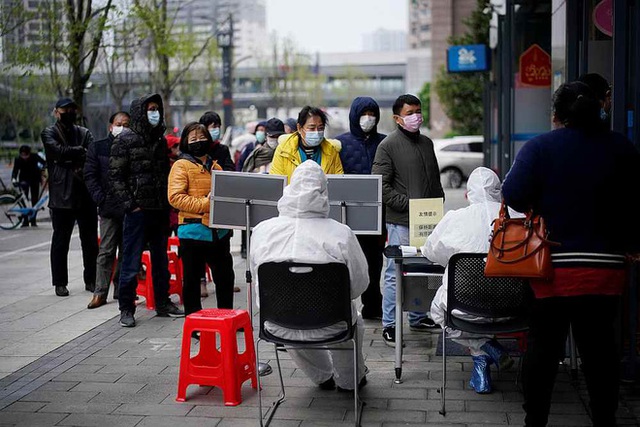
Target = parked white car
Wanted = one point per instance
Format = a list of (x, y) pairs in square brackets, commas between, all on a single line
[(458, 157)]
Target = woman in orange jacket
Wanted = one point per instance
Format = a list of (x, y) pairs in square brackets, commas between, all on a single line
[(188, 191)]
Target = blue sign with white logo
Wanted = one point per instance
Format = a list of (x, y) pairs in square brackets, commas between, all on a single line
[(467, 58)]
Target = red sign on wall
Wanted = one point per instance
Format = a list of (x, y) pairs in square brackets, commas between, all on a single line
[(603, 17), (535, 67)]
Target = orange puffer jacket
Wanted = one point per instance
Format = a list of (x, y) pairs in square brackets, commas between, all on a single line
[(189, 188)]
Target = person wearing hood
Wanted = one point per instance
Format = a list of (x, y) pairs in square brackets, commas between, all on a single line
[(65, 147), (307, 143), (409, 168), (260, 138), (261, 157), (218, 152), (358, 151), (467, 230), (188, 192), (303, 232), (138, 170), (96, 174)]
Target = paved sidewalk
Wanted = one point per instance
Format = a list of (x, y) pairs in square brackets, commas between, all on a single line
[(78, 367)]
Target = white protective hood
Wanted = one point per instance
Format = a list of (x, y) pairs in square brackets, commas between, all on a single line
[(307, 195), (464, 230), (304, 233)]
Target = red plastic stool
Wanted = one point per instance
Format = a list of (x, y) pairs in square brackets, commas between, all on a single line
[(145, 287), (226, 369)]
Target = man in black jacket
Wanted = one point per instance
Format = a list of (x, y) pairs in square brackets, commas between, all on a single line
[(65, 145), (138, 170), (96, 175), (27, 173)]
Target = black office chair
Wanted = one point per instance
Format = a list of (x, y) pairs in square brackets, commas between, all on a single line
[(305, 296), (497, 298)]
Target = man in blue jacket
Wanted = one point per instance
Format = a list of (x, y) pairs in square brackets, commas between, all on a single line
[(357, 154)]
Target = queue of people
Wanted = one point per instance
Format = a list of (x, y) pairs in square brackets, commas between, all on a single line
[(135, 176)]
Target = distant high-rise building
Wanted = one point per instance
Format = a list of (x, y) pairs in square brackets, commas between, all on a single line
[(31, 33), (420, 23), (205, 17), (447, 19), (382, 40)]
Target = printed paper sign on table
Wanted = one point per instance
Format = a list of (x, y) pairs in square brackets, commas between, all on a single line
[(424, 215)]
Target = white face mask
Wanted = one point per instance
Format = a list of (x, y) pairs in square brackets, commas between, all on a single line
[(367, 123), (116, 130), (272, 142)]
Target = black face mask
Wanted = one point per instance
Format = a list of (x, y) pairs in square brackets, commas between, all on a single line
[(198, 148), (68, 118)]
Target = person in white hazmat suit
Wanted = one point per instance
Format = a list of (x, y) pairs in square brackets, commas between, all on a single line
[(303, 232), (467, 230)]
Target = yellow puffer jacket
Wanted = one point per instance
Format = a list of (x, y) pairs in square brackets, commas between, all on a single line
[(286, 158), (188, 190)]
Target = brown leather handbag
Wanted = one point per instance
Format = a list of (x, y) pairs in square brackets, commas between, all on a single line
[(519, 247)]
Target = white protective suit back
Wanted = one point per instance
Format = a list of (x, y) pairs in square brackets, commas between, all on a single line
[(464, 230), (304, 232)]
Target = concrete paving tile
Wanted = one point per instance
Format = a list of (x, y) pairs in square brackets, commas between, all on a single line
[(88, 376), (425, 405), (151, 409), (168, 421), (148, 379), (59, 396), (141, 398), (125, 388), (30, 419), (80, 408), (345, 401), (239, 411), (13, 363), (243, 422), (96, 420), (24, 407), (491, 418), (486, 406), (57, 386)]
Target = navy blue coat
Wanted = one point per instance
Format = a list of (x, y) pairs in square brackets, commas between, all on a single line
[(96, 176), (359, 149)]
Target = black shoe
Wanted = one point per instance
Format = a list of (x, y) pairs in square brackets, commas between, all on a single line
[(126, 319), (389, 336), (91, 287), (62, 291), (169, 310), (425, 325), (362, 383), (33, 223), (329, 384), (25, 223)]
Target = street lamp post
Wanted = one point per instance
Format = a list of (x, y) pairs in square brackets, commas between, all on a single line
[(225, 41)]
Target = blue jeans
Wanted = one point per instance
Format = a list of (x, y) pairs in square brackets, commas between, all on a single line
[(397, 235), (139, 228)]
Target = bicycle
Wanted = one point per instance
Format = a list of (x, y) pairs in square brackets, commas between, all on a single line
[(14, 210)]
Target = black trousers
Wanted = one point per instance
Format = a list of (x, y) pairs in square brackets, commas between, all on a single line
[(592, 319), (63, 221), (195, 254), (372, 246), (31, 189)]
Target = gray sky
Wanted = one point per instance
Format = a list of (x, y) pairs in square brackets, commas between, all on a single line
[(333, 25)]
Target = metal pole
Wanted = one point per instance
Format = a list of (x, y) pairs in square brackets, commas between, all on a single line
[(343, 212), (263, 368), (225, 40)]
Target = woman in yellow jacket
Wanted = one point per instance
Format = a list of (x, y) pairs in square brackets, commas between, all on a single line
[(308, 143), (188, 191)]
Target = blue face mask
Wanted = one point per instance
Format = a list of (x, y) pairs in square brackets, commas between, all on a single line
[(603, 115), (313, 139), (153, 117), (215, 133), (260, 136)]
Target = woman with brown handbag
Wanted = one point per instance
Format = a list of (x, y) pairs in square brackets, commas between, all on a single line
[(571, 176)]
